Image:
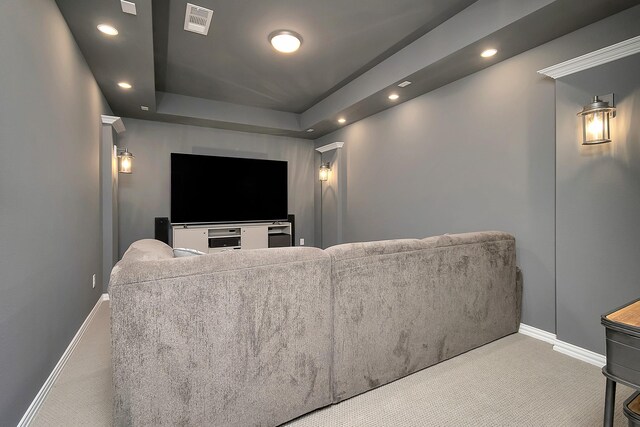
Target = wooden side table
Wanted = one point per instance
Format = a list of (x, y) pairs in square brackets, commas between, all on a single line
[(622, 328)]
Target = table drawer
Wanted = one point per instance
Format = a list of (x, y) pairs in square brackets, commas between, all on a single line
[(623, 356)]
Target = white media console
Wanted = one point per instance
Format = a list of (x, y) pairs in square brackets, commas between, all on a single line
[(221, 237)]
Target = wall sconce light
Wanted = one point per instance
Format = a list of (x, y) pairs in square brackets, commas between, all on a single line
[(125, 161), (595, 122), (324, 172)]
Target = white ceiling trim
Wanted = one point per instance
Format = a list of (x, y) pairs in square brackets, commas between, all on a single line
[(115, 122), (329, 147), (593, 59)]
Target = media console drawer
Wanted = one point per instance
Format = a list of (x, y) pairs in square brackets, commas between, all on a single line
[(623, 342), (191, 238), (224, 242)]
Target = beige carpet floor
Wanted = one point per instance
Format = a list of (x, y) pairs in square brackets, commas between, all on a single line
[(515, 381)]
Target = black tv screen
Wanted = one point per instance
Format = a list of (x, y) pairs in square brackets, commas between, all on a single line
[(227, 189)]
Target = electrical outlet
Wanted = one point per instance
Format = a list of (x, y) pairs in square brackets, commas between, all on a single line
[(301, 242), (93, 281)]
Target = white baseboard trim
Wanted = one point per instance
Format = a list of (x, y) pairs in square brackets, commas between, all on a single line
[(28, 416), (538, 334), (580, 353), (564, 347)]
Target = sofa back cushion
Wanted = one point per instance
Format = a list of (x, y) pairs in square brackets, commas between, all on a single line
[(231, 338), (403, 305)]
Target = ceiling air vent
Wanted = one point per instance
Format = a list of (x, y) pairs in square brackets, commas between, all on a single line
[(197, 19)]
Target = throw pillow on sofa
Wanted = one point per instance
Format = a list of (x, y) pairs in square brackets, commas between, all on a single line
[(182, 252)]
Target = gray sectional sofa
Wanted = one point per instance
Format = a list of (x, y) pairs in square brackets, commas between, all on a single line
[(263, 336)]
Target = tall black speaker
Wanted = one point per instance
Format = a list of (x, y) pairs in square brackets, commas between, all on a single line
[(292, 219), (162, 229)]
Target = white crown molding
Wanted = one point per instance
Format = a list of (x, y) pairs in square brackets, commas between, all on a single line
[(32, 410), (564, 347), (593, 59), (329, 147), (115, 122)]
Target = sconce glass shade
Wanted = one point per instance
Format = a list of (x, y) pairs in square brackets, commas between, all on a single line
[(126, 162), (595, 122), (324, 172)]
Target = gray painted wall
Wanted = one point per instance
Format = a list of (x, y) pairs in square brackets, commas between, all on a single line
[(598, 203), (145, 194), (478, 154), (50, 225)]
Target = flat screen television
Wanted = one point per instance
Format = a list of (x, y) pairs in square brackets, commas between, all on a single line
[(212, 189)]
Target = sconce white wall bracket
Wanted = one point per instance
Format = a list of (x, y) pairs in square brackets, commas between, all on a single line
[(610, 99)]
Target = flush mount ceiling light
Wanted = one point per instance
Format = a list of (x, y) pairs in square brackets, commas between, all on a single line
[(342, 120), (125, 85), (285, 41), (404, 83), (310, 130), (108, 30), (489, 53), (394, 96)]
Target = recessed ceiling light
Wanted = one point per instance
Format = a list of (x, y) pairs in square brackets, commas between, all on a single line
[(108, 29), (342, 120), (488, 53), (394, 96), (285, 41), (310, 130), (144, 108), (124, 85), (404, 83)]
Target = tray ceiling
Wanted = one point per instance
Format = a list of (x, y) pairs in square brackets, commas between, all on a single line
[(353, 55)]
